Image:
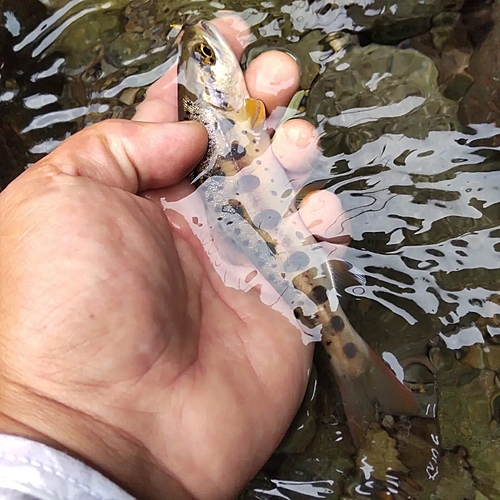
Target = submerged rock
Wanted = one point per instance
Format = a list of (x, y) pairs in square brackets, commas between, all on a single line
[(390, 19), (448, 45), (481, 104), (469, 404), (455, 479), (366, 92), (379, 453)]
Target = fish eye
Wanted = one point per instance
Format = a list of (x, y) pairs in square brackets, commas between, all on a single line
[(204, 54), (206, 50)]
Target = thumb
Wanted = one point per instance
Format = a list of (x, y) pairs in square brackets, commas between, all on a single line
[(133, 156)]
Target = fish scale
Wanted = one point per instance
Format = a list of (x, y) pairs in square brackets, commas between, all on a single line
[(248, 197)]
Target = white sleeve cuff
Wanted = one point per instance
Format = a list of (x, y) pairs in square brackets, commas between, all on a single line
[(31, 470)]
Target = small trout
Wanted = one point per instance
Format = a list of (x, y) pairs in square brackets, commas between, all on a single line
[(248, 198)]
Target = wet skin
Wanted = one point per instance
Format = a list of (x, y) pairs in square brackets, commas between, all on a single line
[(120, 344)]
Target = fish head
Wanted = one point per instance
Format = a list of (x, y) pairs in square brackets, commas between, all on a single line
[(208, 68)]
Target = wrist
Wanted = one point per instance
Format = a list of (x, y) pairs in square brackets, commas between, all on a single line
[(119, 457)]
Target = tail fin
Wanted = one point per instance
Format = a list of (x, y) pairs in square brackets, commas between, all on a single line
[(377, 388)]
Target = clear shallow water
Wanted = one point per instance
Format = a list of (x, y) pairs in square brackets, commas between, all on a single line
[(412, 153)]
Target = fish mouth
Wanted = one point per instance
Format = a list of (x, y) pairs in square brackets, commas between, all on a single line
[(208, 29), (205, 26), (212, 33), (202, 26)]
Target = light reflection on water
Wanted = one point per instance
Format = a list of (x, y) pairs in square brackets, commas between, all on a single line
[(431, 210), (423, 213)]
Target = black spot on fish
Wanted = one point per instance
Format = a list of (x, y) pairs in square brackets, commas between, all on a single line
[(244, 132), (297, 261), (255, 141), (248, 183), (350, 350), (267, 219), (337, 323), (271, 246), (237, 151), (234, 207), (319, 294), (245, 243), (237, 231), (258, 162)]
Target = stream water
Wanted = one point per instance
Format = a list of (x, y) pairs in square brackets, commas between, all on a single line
[(406, 96)]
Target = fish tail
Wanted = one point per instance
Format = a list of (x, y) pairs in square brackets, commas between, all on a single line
[(377, 388), (366, 391)]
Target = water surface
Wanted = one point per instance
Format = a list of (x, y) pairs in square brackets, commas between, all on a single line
[(406, 99)]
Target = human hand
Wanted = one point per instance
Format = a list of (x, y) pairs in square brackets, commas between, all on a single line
[(120, 344)]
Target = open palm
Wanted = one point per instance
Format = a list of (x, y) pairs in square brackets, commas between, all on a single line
[(116, 325)]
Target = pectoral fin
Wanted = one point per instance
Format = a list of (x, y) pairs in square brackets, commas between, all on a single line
[(255, 111), (345, 274)]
